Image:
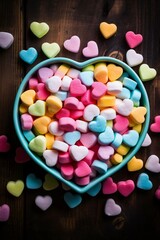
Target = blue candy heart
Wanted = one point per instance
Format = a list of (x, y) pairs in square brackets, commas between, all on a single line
[(143, 182), (72, 200), (86, 77), (131, 138), (106, 137), (94, 190), (29, 55), (98, 124), (72, 137), (32, 182)]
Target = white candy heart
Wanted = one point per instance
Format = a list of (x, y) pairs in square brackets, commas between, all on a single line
[(124, 107), (108, 113), (78, 152), (133, 58), (114, 87), (51, 157), (66, 81), (53, 84), (152, 164), (147, 141), (54, 129), (43, 202), (90, 112), (111, 208)]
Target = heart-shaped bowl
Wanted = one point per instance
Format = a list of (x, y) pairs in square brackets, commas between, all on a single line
[(80, 65)]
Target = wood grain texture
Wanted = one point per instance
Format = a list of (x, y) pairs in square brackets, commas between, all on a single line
[(140, 215)]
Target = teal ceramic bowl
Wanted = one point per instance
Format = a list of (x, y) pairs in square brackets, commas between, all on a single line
[(80, 65)]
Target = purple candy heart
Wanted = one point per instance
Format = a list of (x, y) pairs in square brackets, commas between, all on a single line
[(43, 202), (111, 208), (6, 40), (4, 213)]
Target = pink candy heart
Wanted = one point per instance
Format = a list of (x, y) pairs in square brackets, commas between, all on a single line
[(104, 152), (157, 193), (109, 186), (126, 187), (121, 124), (98, 90), (4, 213), (77, 88), (72, 44), (4, 145), (91, 50), (155, 127), (133, 39), (45, 73)]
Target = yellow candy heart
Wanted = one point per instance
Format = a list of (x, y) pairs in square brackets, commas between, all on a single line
[(49, 140), (41, 124), (53, 104), (50, 49), (39, 29), (38, 144), (116, 159), (15, 188), (137, 115), (134, 164), (28, 97), (108, 30), (50, 182), (114, 72)]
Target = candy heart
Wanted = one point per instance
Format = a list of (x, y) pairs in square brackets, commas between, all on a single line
[(6, 40), (146, 73), (88, 139), (77, 88), (111, 208), (155, 127), (124, 107), (53, 84), (133, 39), (86, 77), (121, 123), (125, 187), (72, 44), (91, 50), (41, 124), (29, 55), (131, 138), (72, 200), (134, 164), (152, 164), (50, 183), (4, 145), (98, 125), (143, 182), (78, 152), (94, 190), (114, 72), (26, 121), (72, 137), (108, 30), (43, 202), (21, 155), (4, 212), (106, 137), (147, 141), (39, 29), (42, 92), (133, 59), (105, 152), (157, 193), (82, 169), (137, 115), (32, 182), (44, 73), (28, 97), (90, 112), (50, 49), (38, 108), (15, 188), (98, 90), (108, 186), (51, 157), (38, 144)]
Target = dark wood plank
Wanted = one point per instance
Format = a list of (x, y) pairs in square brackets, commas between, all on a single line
[(140, 212)]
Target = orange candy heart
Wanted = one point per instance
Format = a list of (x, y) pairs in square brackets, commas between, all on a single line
[(134, 164), (108, 30), (41, 124), (137, 115), (114, 72)]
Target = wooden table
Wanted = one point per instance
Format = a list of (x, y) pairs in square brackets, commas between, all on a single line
[(140, 215)]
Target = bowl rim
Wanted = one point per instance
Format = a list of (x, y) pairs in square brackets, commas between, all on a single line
[(80, 65)]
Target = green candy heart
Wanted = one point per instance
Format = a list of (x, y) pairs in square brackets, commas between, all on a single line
[(146, 73), (39, 29), (38, 144), (50, 49), (38, 108)]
